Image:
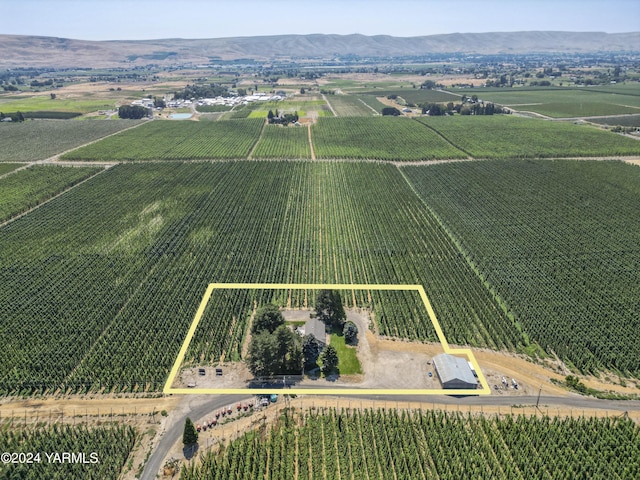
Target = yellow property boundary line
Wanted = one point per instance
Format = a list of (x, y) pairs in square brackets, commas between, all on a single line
[(485, 390)]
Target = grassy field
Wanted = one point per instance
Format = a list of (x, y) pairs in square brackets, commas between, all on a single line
[(381, 138), (506, 136), (348, 363), (185, 140), (45, 103), (556, 240), (29, 187), (40, 139)]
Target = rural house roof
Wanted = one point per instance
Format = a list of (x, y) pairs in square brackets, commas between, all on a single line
[(316, 328)]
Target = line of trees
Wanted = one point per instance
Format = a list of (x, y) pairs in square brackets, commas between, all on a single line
[(133, 112), (15, 117), (202, 91), (282, 119), (393, 111), (474, 108)]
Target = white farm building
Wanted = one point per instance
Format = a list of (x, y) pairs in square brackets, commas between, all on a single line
[(454, 372)]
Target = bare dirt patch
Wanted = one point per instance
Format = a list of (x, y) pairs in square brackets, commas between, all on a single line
[(83, 407), (234, 375)]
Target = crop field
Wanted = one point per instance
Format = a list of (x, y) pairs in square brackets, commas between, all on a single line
[(305, 108), (623, 121), (385, 444), (29, 187), (565, 102), (99, 286), (383, 138), (582, 109), (506, 136), (9, 167), (213, 108), (353, 106), (417, 95), (163, 140), (558, 242), (283, 142), (111, 444), (39, 139), (372, 101), (222, 328)]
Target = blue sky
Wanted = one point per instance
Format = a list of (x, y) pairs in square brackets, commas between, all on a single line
[(145, 19)]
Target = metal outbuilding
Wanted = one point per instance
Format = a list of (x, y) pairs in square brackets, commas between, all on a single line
[(454, 372)]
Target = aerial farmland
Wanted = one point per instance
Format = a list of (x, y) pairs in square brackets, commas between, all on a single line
[(287, 255)]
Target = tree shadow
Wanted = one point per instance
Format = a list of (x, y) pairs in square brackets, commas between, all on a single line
[(333, 376), (189, 451)]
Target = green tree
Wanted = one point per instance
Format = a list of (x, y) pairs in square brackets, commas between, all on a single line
[(263, 359), (310, 350), (428, 84), (329, 359), (390, 111), (284, 345), (267, 318), (294, 359), (134, 112), (274, 353), (350, 332), (190, 435), (329, 309)]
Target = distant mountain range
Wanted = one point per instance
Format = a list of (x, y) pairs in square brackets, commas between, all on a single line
[(33, 51)]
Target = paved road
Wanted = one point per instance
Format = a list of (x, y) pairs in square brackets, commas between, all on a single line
[(200, 406), (195, 407)]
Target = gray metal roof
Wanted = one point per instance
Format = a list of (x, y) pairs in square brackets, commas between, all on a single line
[(316, 328), (453, 368)]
